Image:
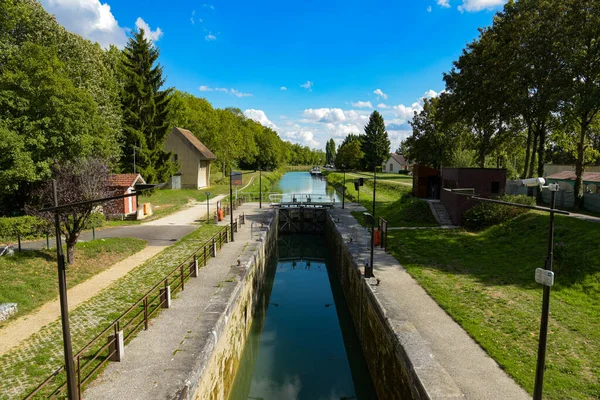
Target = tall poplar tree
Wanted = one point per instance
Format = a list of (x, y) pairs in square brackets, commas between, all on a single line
[(145, 112), (376, 145)]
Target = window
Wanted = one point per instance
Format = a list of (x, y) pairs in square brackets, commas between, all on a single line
[(175, 157), (495, 187), (391, 167)]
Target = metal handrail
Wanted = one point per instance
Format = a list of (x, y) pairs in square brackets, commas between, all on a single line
[(219, 238)]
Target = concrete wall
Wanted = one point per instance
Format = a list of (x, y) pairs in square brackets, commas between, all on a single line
[(188, 159), (399, 363), (220, 358), (456, 204)]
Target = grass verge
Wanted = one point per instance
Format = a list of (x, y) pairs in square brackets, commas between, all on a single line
[(485, 282), (393, 202), (29, 278), (26, 366)]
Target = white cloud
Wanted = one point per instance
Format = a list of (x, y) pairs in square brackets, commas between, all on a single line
[(381, 105), (429, 9), (430, 93), (237, 93), (478, 5), (362, 104), (149, 34), (234, 92), (210, 37), (308, 85), (192, 19), (406, 113), (89, 18), (260, 117), (208, 6), (380, 93), (283, 88), (444, 3)]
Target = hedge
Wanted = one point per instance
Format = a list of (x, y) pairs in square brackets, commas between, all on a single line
[(31, 227), (483, 215)]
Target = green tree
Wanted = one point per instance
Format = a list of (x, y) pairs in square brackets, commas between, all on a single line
[(349, 156), (330, 151), (376, 146), (146, 112)]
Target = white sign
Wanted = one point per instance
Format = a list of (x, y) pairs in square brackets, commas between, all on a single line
[(544, 277)]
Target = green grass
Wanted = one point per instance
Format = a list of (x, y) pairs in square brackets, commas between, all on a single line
[(485, 281), (29, 278), (393, 202), (167, 201), (24, 367)]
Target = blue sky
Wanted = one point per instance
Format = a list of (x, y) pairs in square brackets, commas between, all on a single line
[(310, 69)]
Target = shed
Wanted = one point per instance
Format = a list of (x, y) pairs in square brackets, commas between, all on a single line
[(395, 163), (193, 157), (566, 181), (426, 181), (124, 184), (484, 181)]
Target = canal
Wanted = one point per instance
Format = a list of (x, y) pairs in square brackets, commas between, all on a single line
[(302, 343), (302, 183)]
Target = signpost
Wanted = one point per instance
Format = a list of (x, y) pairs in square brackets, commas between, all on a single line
[(235, 178), (207, 207)]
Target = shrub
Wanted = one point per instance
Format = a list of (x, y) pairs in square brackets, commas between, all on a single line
[(483, 215), (95, 220), (28, 226)]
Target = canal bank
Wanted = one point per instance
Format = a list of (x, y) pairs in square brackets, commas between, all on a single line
[(414, 350)]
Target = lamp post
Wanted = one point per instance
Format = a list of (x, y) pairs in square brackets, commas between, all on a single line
[(344, 188), (231, 202), (374, 189), (370, 219), (541, 358), (207, 207), (64, 307), (260, 188)]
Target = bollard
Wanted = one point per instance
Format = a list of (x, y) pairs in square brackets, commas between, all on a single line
[(93, 233), (214, 248), (47, 241), (165, 297), (195, 268), (117, 345), (216, 219), (19, 239)]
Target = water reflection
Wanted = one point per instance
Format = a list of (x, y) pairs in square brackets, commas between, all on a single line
[(296, 348), (303, 183)]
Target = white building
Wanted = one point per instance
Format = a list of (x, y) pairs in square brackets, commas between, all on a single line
[(395, 164), (193, 157)]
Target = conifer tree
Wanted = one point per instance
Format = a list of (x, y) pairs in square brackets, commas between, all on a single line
[(376, 145), (145, 112)]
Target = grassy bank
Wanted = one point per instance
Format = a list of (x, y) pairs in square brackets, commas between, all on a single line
[(29, 278), (24, 367), (485, 281), (393, 201)]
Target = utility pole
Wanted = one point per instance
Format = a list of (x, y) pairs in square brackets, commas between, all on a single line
[(64, 306), (231, 202), (344, 188), (260, 185), (374, 189)]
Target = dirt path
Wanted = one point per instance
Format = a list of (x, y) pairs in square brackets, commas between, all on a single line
[(159, 234), (21, 328)]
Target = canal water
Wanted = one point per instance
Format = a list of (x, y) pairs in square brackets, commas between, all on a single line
[(302, 343), (302, 183)]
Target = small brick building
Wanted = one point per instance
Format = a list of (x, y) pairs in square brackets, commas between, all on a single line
[(426, 181), (124, 184)]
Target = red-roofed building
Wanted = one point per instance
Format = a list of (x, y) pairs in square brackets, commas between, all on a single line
[(193, 157), (124, 184)]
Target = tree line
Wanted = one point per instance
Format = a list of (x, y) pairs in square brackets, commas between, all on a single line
[(524, 93), (63, 98)]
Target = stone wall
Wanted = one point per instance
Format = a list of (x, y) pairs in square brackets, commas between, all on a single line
[(220, 358), (398, 358)]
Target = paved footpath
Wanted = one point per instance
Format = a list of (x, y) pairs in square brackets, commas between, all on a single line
[(160, 234), (475, 373), (158, 361)]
